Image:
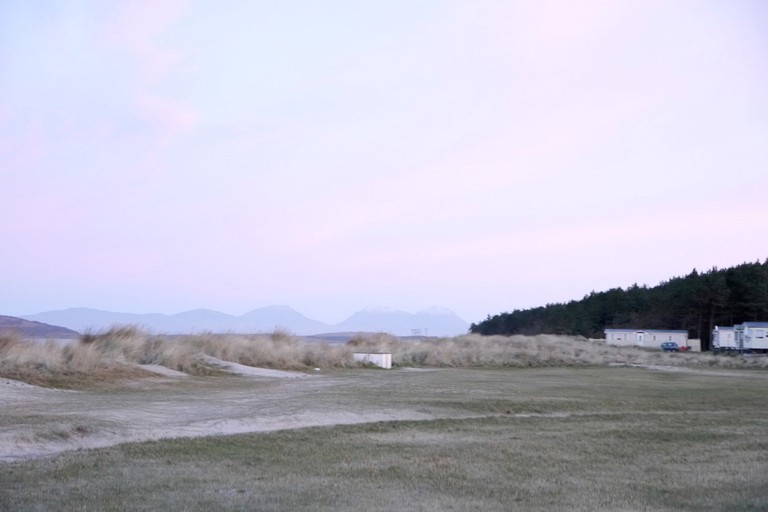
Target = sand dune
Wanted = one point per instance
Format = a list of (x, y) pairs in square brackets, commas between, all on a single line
[(250, 371)]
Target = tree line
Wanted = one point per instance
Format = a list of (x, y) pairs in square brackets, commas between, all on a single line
[(696, 303)]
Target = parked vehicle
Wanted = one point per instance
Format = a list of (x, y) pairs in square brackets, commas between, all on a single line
[(670, 346)]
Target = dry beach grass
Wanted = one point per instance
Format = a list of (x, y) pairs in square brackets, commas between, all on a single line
[(116, 354)]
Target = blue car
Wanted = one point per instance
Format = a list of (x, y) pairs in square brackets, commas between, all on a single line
[(670, 346)]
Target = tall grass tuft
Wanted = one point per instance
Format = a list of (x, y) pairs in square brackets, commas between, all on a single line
[(121, 349), (9, 339), (55, 363)]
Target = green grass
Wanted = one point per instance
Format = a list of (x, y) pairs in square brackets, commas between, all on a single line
[(535, 439)]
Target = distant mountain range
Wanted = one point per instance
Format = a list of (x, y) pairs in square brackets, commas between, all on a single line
[(430, 322)]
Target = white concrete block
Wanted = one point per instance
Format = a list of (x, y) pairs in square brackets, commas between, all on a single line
[(380, 360)]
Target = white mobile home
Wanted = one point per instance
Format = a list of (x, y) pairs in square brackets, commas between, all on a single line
[(752, 335), (723, 338), (645, 337)]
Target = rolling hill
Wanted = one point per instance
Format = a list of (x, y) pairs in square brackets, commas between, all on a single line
[(34, 329)]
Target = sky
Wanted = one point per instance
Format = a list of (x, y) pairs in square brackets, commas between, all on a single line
[(478, 155)]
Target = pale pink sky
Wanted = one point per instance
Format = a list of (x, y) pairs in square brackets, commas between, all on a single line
[(159, 156)]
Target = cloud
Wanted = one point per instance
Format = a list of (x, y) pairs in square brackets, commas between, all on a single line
[(139, 28), (170, 116)]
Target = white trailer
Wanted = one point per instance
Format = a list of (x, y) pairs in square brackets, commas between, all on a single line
[(752, 336), (724, 339)]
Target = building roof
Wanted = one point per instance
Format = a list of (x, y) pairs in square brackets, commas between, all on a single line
[(755, 324), (721, 328), (649, 330)]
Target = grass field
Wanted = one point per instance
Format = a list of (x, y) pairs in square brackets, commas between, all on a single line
[(489, 439)]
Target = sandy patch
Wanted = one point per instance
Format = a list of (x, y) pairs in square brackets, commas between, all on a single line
[(40, 422), (163, 370), (15, 384), (249, 371), (684, 369), (654, 367)]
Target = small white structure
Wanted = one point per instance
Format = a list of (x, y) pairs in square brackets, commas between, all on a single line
[(723, 338), (380, 360), (645, 337)]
